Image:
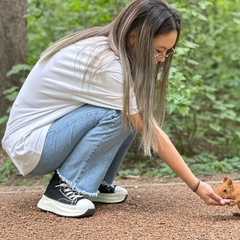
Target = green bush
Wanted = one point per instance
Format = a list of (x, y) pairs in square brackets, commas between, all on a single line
[(203, 116), (205, 81)]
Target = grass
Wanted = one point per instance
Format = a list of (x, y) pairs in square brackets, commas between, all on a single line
[(133, 165)]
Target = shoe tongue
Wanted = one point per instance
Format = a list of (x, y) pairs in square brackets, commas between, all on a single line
[(106, 189)]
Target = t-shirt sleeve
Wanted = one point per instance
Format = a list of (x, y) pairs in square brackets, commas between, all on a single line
[(111, 76)]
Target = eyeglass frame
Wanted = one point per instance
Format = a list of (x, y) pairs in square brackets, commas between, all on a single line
[(159, 55)]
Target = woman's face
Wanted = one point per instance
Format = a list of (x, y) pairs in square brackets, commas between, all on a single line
[(163, 45)]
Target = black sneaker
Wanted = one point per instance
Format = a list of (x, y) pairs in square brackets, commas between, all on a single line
[(60, 199), (109, 194)]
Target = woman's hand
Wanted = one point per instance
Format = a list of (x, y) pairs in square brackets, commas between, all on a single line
[(206, 193)]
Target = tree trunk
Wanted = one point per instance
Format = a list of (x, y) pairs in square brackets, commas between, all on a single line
[(12, 45)]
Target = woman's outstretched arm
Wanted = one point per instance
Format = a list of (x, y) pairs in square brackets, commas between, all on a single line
[(169, 154)]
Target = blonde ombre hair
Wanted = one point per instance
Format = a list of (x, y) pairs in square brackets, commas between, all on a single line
[(149, 19)]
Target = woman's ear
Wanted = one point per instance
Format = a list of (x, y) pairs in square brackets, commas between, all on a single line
[(133, 37)]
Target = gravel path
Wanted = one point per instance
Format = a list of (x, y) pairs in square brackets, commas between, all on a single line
[(156, 209)]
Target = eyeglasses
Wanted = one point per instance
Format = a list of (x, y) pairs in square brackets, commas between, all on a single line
[(162, 55)]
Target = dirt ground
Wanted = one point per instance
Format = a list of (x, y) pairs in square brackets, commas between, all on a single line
[(156, 209)]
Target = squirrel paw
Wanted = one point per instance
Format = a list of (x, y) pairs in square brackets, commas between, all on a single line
[(236, 214), (232, 203)]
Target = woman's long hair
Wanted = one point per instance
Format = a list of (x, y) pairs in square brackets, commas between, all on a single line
[(149, 19)]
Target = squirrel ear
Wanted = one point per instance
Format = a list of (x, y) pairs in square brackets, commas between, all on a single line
[(229, 182), (225, 179)]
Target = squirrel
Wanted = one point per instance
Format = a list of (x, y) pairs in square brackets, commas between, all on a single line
[(230, 190)]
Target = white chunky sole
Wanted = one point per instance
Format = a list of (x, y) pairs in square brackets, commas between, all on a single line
[(83, 208), (120, 195)]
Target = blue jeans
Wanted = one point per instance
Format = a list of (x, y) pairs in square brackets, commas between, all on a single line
[(86, 147)]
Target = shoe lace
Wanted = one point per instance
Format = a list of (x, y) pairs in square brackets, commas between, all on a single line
[(71, 194)]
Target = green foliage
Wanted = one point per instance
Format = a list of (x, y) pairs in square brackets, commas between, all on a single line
[(6, 169), (203, 114), (209, 164), (11, 93), (18, 68), (202, 164), (49, 20)]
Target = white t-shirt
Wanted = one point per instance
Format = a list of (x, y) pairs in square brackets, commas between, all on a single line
[(56, 88)]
